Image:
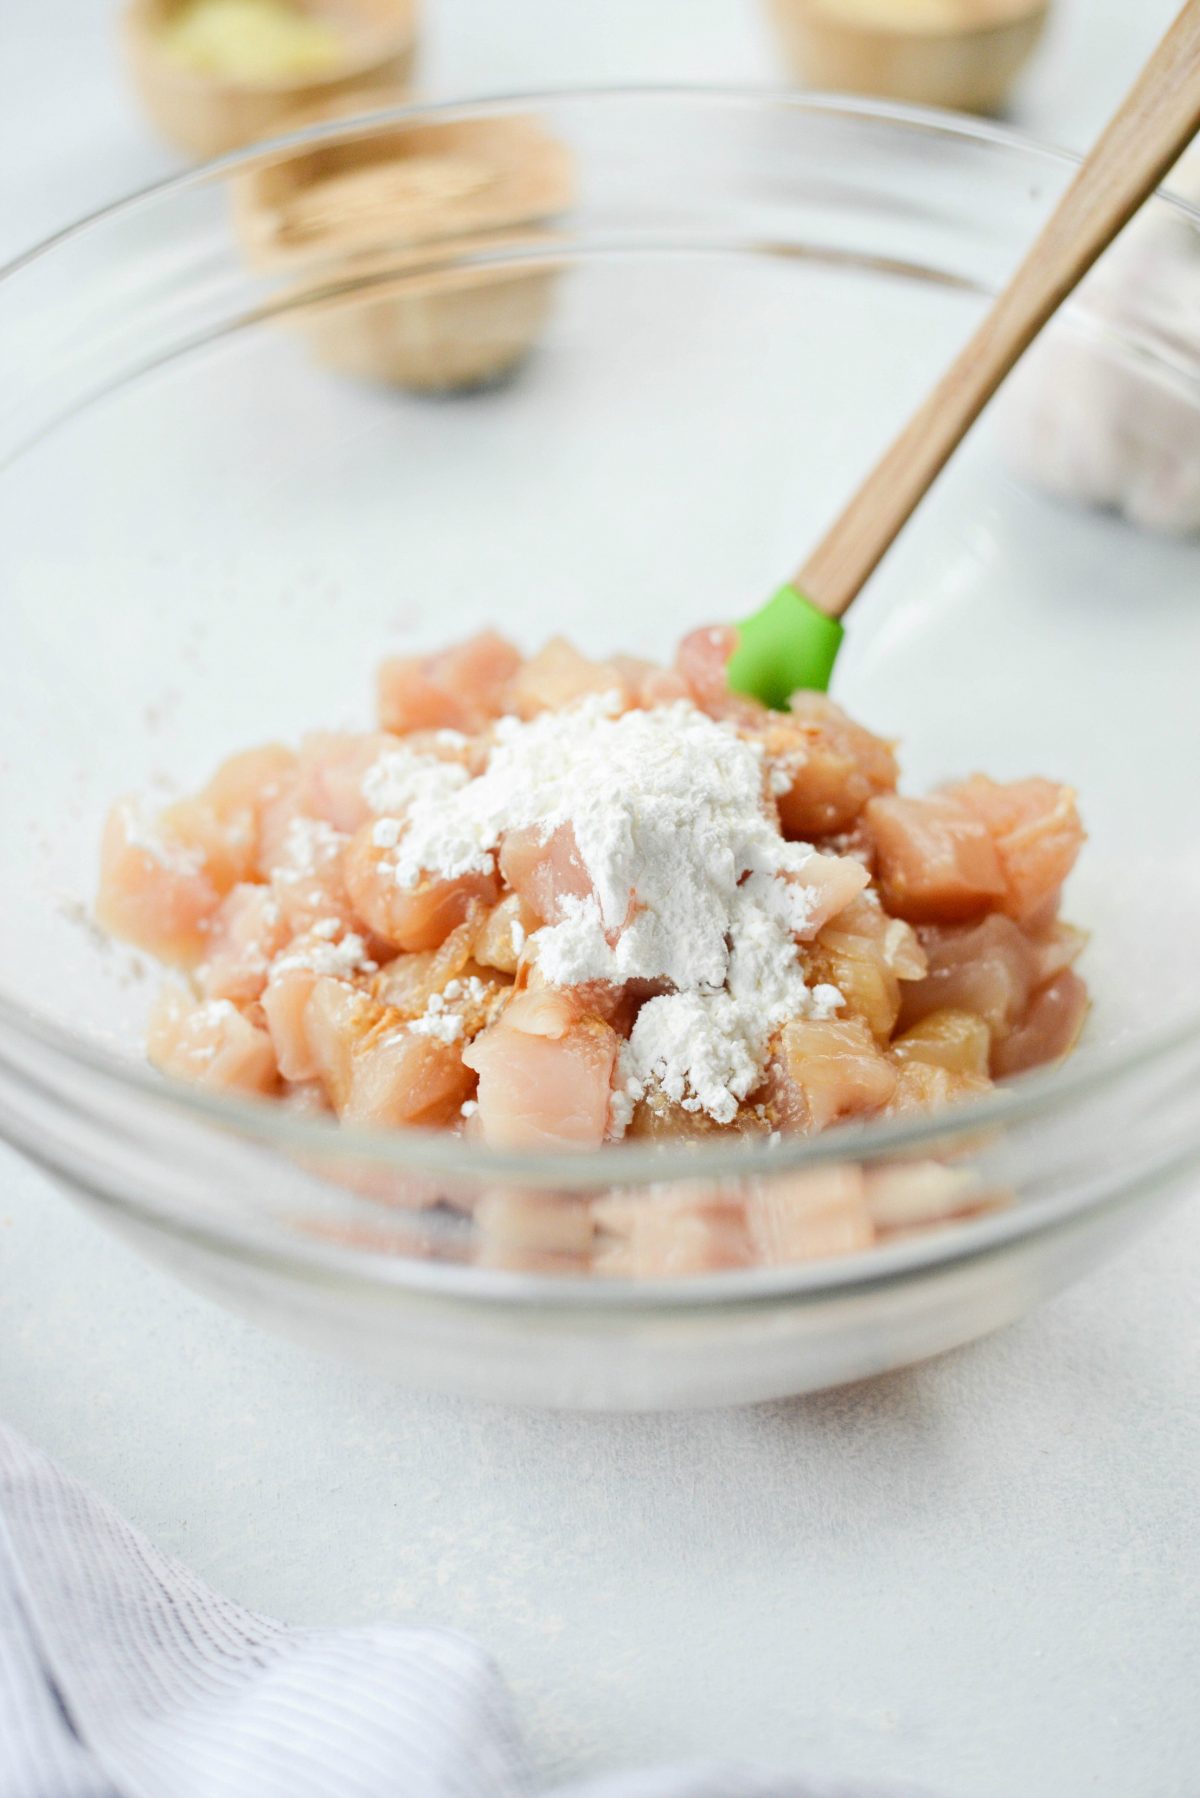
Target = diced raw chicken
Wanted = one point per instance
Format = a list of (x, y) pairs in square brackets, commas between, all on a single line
[(337, 1016), (549, 1007), (897, 943), (657, 1119), (670, 1247), (865, 955), (921, 1192), (290, 982), (502, 937), (1036, 829), (153, 891), (921, 1087), (937, 860), (688, 1229), (809, 1216), (410, 981), (308, 878), (856, 967), (538, 1223), (702, 661), (832, 766), (986, 968), (416, 917), (224, 822), (330, 775), (1048, 1031), (210, 1044), (284, 1001), (1057, 949), (407, 1079), (646, 684), (826, 1071), (556, 676), (545, 1079), (956, 1040), (248, 781), (247, 932), (330, 986), (374, 1068), (542, 1010), (464, 688), (307, 1100), (835, 881), (545, 870)]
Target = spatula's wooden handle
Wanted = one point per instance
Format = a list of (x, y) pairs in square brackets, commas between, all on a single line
[(1149, 133)]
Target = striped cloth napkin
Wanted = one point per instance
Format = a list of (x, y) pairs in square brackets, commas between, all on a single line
[(123, 1676)]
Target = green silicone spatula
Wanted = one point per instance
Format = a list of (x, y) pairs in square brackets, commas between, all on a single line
[(794, 640)]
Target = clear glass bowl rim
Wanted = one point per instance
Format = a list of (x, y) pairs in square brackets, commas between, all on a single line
[(1034, 1096)]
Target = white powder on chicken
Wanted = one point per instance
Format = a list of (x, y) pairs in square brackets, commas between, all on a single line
[(308, 846), (323, 956), (694, 886)]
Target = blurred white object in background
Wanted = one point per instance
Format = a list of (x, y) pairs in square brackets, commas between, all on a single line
[(1080, 419)]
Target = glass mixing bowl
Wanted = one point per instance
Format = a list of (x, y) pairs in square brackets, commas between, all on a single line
[(208, 536)]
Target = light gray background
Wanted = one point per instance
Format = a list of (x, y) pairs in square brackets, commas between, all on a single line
[(984, 1574)]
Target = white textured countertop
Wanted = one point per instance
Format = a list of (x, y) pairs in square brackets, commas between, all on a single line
[(983, 1574)]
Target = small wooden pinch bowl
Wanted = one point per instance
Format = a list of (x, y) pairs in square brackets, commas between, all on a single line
[(374, 230), (206, 114), (963, 54)]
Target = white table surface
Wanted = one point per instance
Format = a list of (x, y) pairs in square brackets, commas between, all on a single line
[(983, 1574)]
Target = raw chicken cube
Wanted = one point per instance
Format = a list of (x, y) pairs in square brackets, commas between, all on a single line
[(308, 876), (223, 823), (545, 1079), (377, 1070), (809, 1216), (686, 1229), (922, 1087), (537, 1223), (835, 882), (285, 1002), (986, 968), (545, 870), (937, 860), (921, 1192), (865, 955), (247, 932), (827, 1071), (1057, 949), (824, 767), (329, 781), (409, 917), (1036, 829), (646, 684), (503, 935), (702, 662), (558, 675), (464, 688), (211, 1044), (154, 891), (409, 981), (1048, 1031), (956, 1040)]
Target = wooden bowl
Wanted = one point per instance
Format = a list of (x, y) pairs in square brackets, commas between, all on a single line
[(430, 329), (207, 114), (369, 229), (964, 54)]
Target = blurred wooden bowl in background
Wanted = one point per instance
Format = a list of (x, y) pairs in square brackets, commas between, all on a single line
[(962, 54), (213, 75), (370, 230)]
